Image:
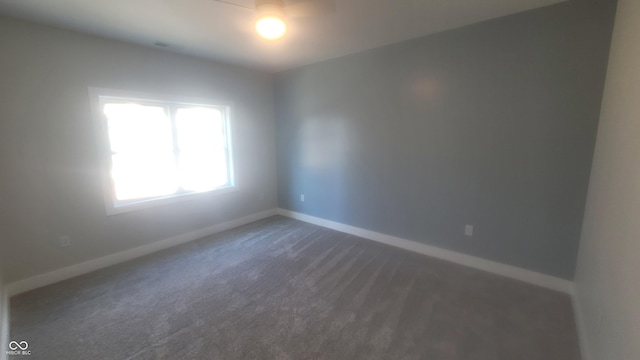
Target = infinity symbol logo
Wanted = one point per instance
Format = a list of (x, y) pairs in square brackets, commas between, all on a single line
[(22, 345)]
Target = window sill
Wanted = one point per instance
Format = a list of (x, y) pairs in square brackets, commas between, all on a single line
[(113, 209)]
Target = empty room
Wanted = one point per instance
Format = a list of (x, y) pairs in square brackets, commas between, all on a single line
[(320, 179)]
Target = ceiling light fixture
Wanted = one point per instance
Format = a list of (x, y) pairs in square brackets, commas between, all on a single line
[(270, 19)]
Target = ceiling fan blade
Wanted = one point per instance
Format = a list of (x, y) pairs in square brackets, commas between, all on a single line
[(308, 8)]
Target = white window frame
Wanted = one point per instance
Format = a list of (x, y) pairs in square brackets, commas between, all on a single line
[(114, 206)]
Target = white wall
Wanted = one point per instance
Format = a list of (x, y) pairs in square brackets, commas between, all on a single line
[(608, 274), (50, 183)]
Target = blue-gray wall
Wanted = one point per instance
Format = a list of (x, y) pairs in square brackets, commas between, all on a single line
[(492, 125), (50, 178)]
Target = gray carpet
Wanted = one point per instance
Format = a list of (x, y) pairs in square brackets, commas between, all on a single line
[(283, 289)]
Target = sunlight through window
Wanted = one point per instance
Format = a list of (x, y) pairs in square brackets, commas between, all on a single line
[(161, 150)]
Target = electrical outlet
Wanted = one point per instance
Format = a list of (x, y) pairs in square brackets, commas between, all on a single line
[(468, 230), (65, 240), (302, 197)]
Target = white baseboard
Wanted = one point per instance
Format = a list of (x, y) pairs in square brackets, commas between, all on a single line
[(581, 327), (528, 276), (4, 322), (96, 264), (510, 271)]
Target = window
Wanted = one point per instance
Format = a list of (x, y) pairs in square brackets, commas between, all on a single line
[(159, 151)]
